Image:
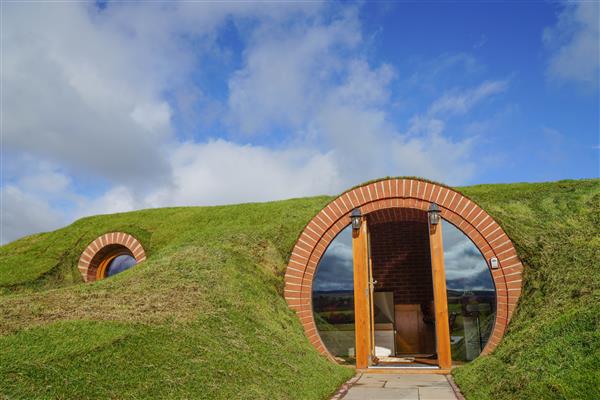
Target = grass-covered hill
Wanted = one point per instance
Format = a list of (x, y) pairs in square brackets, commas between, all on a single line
[(204, 317)]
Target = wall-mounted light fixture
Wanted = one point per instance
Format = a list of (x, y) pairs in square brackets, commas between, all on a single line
[(434, 214), (356, 218), (494, 263)]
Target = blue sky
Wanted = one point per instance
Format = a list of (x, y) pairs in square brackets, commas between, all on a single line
[(113, 106)]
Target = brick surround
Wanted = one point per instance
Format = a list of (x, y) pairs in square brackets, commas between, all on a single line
[(402, 198), (104, 245)]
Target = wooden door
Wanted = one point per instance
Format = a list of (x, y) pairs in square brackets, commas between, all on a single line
[(440, 298), (371, 298), (362, 296)]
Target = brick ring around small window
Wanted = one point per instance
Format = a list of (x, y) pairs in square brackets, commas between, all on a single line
[(109, 254)]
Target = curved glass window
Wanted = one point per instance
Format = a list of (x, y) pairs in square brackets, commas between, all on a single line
[(471, 294), (333, 297), (120, 264), (114, 263)]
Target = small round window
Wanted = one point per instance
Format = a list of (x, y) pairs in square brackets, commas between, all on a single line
[(110, 254), (114, 264)]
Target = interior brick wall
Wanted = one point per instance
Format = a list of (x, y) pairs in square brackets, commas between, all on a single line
[(402, 261)]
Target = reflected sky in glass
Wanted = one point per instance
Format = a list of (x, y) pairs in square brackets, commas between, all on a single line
[(120, 264), (466, 269), (335, 271)]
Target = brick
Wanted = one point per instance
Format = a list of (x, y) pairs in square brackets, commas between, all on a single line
[(391, 188), (295, 265), (454, 200), (460, 204), (384, 191), (367, 208), (292, 280), (365, 194), (355, 193), (420, 191), (489, 228), (348, 202), (373, 189), (403, 200), (297, 258), (327, 216), (340, 205)]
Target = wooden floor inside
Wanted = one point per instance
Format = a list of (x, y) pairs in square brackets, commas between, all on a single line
[(403, 365)]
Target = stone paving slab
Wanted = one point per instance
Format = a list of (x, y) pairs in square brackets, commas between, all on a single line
[(436, 393), (362, 393), (401, 387)]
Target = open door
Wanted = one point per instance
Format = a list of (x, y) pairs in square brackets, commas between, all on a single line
[(363, 297), (440, 298), (364, 315), (371, 300)]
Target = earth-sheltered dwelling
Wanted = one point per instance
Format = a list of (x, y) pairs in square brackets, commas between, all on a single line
[(403, 273), (397, 274), (280, 300)]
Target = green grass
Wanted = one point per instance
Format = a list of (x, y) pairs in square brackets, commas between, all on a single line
[(552, 347), (204, 315)]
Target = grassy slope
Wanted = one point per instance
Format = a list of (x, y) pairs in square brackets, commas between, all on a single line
[(552, 348), (203, 317)]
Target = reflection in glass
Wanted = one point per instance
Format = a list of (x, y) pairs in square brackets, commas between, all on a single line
[(333, 297), (120, 264), (471, 294)]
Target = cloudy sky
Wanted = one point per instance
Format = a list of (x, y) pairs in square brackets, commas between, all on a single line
[(112, 106)]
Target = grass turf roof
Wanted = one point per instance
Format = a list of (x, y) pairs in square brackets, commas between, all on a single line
[(204, 317)]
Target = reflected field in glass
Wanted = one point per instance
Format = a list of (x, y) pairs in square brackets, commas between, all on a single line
[(471, 295), (333, 297)]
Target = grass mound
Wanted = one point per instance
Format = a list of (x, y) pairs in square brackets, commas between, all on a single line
[(204, 315), (552, 347)]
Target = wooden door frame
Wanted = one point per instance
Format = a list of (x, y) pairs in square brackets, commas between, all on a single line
[(440, 297), (363, 305)]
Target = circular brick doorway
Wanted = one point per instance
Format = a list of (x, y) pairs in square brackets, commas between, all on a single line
[(404, 193)]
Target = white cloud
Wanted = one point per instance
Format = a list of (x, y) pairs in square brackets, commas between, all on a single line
[(287, 71), (220, 172), (436, 157), (430, 73), (212, 173), (575, 44), (93, 104), (47, 181), (462, 102), (116, 199), (74, 87), (86, 86), (329, 96), (23, 214)]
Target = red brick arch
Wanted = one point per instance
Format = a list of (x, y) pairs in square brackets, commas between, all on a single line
[(408, 193), (104, 245)]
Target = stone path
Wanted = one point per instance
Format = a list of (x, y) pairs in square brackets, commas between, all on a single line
[(401, 387)]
